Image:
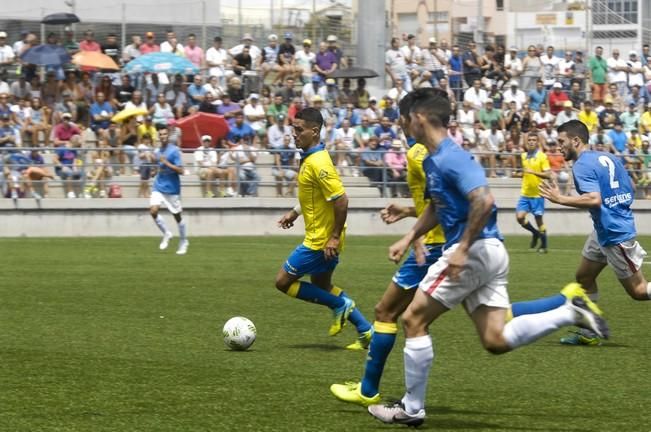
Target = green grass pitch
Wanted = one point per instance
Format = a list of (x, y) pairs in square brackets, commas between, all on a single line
[(114, 335)]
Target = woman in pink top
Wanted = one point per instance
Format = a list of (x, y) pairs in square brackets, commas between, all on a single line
[(193, 52), (396, 163)]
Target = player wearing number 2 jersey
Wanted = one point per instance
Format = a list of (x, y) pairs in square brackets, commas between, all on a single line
[(605, 189)]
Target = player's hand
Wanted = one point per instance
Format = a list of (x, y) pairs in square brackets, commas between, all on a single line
[(549, 189), (163, 160), (287, 220), (392, 213), (398, 249), (331, 250), (456, 263), (420, 252)]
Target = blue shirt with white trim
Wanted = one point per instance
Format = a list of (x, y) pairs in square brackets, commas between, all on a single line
[(452, 173), (167, 180)]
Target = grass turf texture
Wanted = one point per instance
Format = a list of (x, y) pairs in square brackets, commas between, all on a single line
[(114, 335)]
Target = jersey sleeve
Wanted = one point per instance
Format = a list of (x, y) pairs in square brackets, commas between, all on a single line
[(464, 172), (544, 163), (176, 158), (586, 178), (328, 180)]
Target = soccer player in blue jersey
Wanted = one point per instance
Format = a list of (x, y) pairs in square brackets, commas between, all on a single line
[(324, 205), (606, 190), (167, 191), (473, 269)]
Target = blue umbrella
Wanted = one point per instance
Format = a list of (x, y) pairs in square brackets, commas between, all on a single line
[(161, 62), (46, 55)]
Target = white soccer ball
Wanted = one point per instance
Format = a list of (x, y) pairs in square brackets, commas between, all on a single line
[(563, 177), (239, 333)]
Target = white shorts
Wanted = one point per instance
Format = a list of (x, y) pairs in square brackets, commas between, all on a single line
[(172, 202), (287, 174), (625, 258), (483, 280)]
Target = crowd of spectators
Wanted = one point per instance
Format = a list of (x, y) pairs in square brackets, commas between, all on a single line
[(500, 97)]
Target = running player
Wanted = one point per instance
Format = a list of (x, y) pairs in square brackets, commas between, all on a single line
[(473, 269), (324, 205), (535, 169), (167, 191), (606, 190)]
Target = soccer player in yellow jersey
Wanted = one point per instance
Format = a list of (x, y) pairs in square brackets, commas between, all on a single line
[(535, 169), (404, 283), (324, 205)]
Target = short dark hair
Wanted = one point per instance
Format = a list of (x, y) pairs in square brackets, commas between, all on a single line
[(405, 104), (217, 39), (575, 128), (311, 115), (161, 126), (434, 105), (192, 35)]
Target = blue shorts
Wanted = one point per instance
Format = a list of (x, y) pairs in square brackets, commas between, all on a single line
[(410, 273), (535, 206), (308, 261)]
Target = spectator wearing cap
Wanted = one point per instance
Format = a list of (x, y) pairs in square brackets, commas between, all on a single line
[(217, 61), (566, 69), (373, 112), (205, 163), (513, 93), (269, 60), (171, 44), (325, 62), (330, 93), (311, 89), (609, 115), (395, 64), (256, 117), (635, 70), (568, 113), (557, 98), (247, 41), (147, 127), (285, 167), (277, 132), (150, 44), (305, 60), (617, 71), (7, 54), (89, 43), (512, 64), (630, 118), (598, 68), (434, 60), (339, 55), (132, 51)]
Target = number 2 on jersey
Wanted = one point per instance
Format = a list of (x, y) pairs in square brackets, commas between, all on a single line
[(605, 161)]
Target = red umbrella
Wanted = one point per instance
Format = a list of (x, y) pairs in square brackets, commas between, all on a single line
[(198, 124)]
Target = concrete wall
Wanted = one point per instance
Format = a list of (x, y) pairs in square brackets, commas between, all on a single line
[(217, 217)]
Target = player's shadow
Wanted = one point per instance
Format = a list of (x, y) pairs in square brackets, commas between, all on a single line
[(317, 347)]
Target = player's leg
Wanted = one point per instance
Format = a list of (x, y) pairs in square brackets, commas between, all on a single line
[(626, 260), (304, 261), (538, 214), (324, 281), (155, 202), (521, 211)]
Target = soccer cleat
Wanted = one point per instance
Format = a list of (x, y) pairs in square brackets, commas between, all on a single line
[(166, 240), (587, 318), (362, 342), (351, 392), (395, 413), (575, 290), (341, 315), (542, 250), (577, 338), (534, 240), (183, 247)]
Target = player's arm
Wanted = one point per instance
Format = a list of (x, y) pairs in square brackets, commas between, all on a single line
[(340, 208), (550, 190), (546, 174), (287, 220), (481, 203), (176, 168), (393, 213), (425, 223)]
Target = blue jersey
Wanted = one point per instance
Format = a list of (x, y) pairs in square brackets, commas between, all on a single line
[(167, 180), (452, 173), (604, 173)]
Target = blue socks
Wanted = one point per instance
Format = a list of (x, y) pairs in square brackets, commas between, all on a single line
[(313, 294), (356, 317), (381, 345), (537, 306)]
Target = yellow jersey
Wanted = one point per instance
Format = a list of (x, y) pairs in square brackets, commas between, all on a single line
[(531, 183), (645, 122), (318, 186), (591, 120), (416, 181)]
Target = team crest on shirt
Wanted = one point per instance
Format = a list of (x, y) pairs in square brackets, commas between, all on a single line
[(323, 174)]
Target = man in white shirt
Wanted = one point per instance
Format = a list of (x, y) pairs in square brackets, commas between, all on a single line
[(277, 133), (513, 93), (635, 71), (345, 143), (476, 95), (512, 64), (617, 69), (413, 55), (395, 64), (20, 44), (132, 50), (305, 60), (171, 44), (566, 115), (550, 65), (566, 70), (492, 140), (254, 51), (216, 60), (255, 115), (7, 54)]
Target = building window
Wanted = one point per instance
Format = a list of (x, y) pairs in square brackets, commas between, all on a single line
[(438, 17), (499, 4), (408, 23)]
